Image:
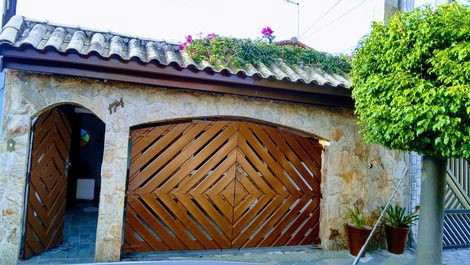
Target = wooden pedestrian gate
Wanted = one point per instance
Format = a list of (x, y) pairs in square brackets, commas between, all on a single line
[(219, 185), (47, 183), (457, 204)]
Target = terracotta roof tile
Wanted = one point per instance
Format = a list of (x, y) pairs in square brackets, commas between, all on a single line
[(20, 31)]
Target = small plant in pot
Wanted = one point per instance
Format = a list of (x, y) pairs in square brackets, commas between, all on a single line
[(397, 227), (357, 231)]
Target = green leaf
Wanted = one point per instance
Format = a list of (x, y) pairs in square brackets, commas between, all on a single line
[(411, 80)]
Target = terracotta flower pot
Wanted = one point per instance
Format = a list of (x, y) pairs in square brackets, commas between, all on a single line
[(356, 238), (396, 238)]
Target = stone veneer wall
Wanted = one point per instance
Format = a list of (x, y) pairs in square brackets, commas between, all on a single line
[(353, 173)]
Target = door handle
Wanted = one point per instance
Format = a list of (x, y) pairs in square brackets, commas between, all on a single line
[(68, 164)]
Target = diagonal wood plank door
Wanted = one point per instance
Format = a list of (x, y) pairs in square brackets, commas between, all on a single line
[(221, 184), (277, 192), (47, 183)]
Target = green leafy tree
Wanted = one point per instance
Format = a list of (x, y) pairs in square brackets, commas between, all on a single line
[(411, 82)]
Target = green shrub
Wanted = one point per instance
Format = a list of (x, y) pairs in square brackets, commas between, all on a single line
[(396, 217), (358, 219), (411, 82)]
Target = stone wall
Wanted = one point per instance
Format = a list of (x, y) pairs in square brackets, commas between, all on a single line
[(353, 173)]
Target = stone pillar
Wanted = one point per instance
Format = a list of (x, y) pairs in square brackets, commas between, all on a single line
[(330, 213), (14, 153), (12, 182), (330, 205), (324, 233), (112, 195)]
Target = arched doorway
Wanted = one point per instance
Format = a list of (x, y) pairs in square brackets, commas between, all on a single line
[(218, 184), (63, 183)]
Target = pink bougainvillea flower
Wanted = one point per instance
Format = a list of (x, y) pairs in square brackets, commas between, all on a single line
[(211, 36), (267, 31), (181, 47), (209, 54), (189, 38)]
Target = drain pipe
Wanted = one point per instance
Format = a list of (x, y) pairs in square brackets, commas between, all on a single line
[(363, 249)]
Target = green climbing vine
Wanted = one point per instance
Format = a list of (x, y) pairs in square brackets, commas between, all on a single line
[(237, 53)]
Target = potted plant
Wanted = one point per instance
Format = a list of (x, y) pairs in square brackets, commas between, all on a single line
[(397, 227), (357, 231)]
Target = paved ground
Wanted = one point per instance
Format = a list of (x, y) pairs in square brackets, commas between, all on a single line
[(271, 256), (277, 256), (297, 256), (79, 240), (79, 246), (456, 256)]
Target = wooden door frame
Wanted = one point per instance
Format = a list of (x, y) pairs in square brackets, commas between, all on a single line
[(228, 118), (26, 188)]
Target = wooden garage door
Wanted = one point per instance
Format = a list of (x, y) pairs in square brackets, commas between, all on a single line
[(221, 184)]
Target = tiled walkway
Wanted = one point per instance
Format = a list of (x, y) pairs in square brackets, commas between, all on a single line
[(79, 240), (79, 246)]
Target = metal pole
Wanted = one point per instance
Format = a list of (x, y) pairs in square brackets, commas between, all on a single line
[(9, 10), (298, 15), (363, 249), (298, 21)]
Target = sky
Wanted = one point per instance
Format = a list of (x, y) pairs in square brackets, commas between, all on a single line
[(337, 31)]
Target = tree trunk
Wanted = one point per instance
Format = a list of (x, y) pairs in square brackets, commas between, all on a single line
[(431, 212)]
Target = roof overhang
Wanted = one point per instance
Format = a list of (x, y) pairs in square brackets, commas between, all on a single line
[(171, 76)]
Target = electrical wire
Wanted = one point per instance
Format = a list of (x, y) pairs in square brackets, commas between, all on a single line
[(322, 16), (340, 17)]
